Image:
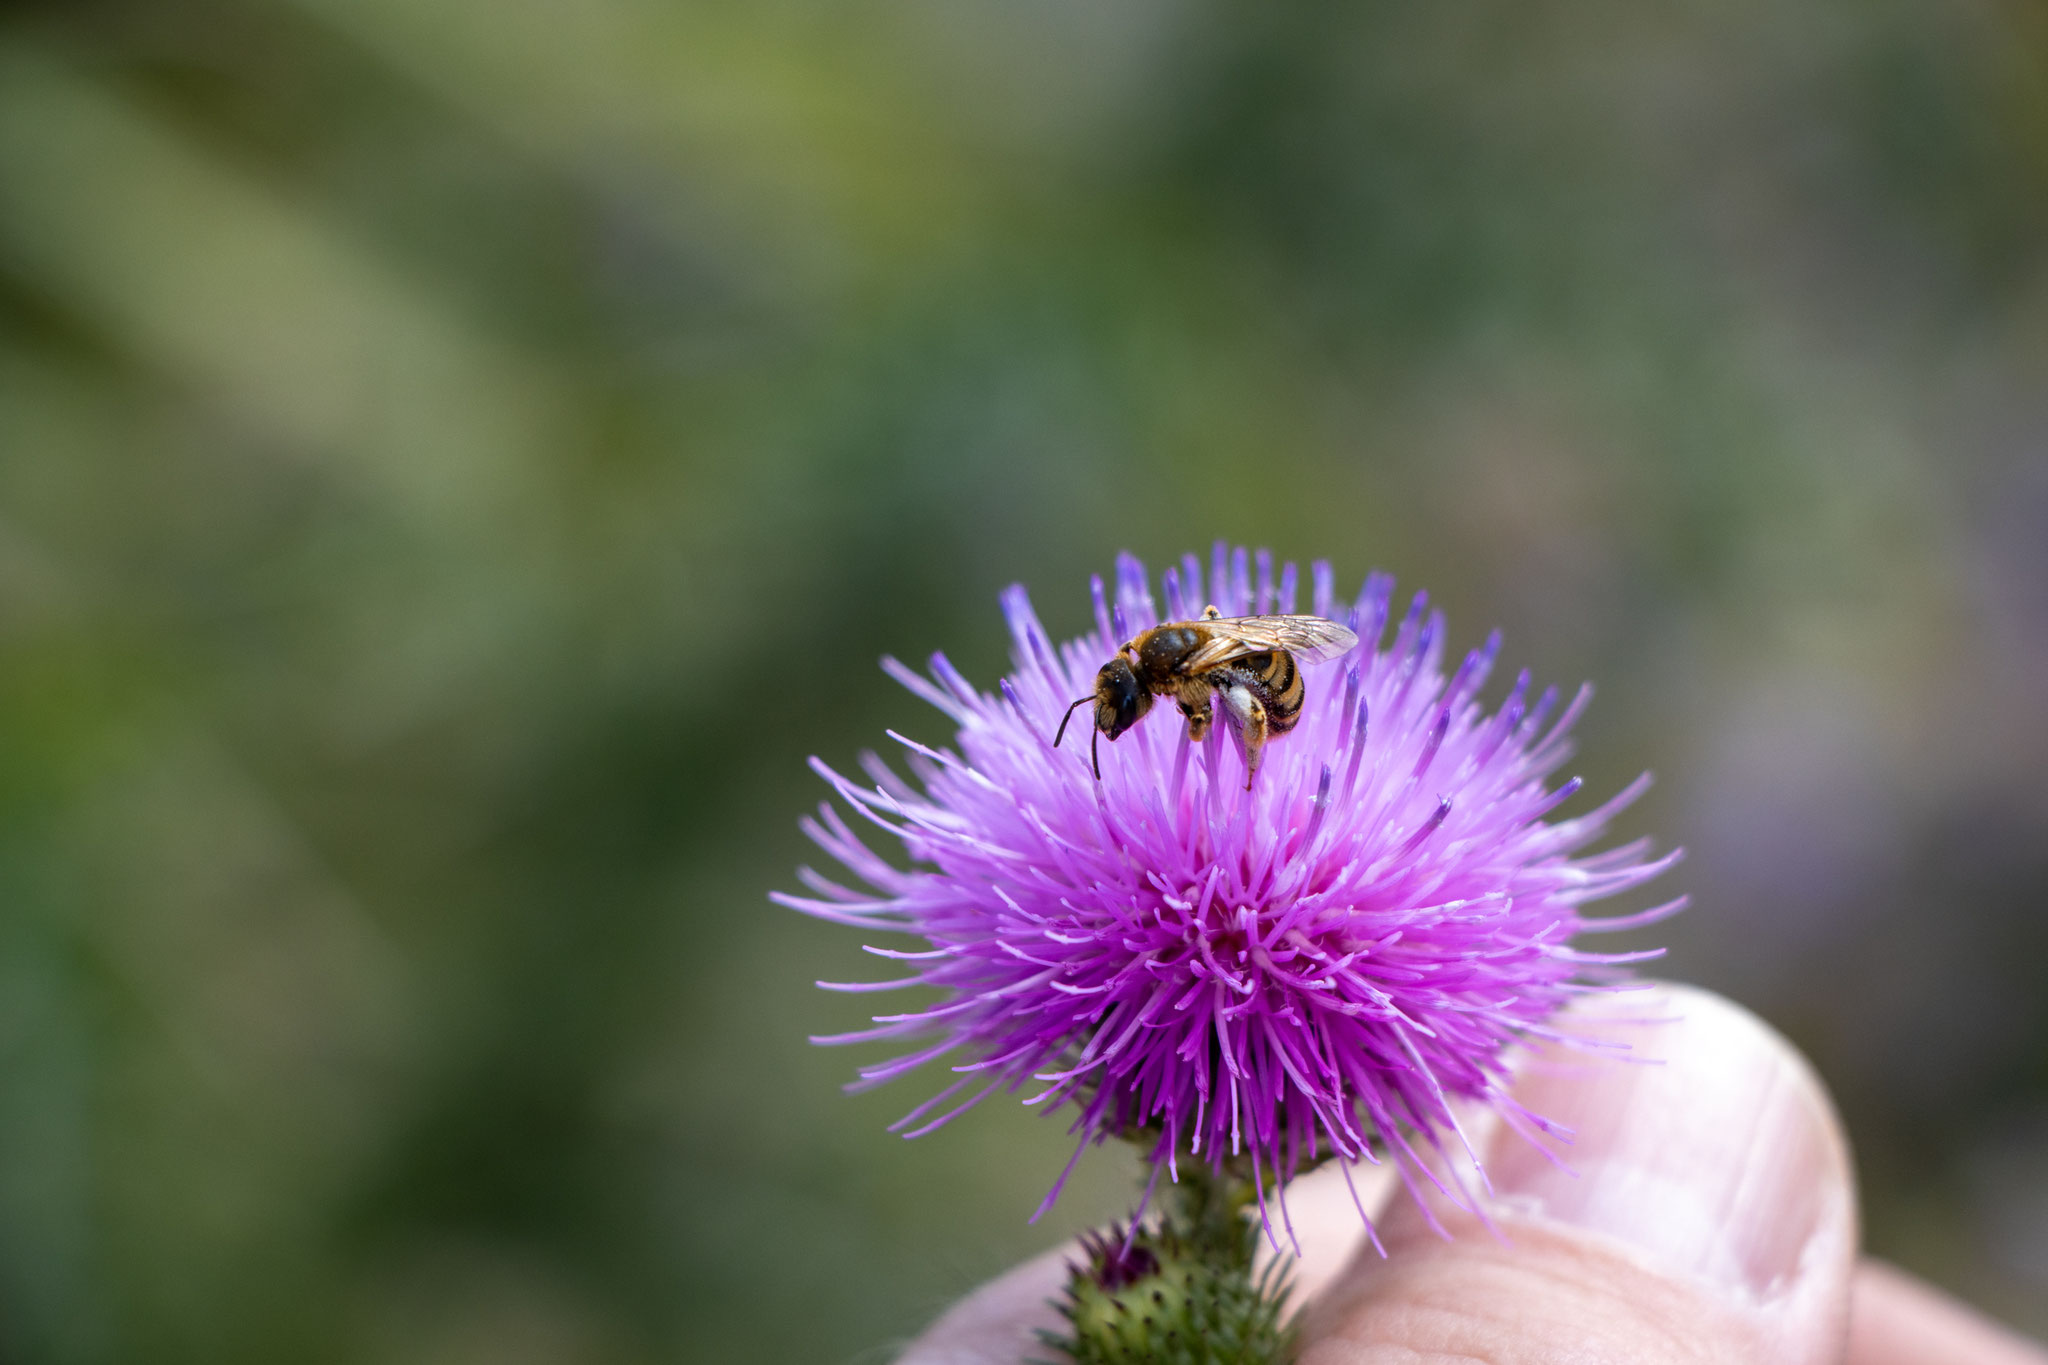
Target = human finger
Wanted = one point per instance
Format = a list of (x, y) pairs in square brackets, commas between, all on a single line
[(1708, 1215), (1897, 1319)]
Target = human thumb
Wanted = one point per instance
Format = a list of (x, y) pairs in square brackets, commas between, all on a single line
[(1704, 1211)]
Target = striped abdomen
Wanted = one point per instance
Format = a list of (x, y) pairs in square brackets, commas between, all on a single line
[(1276, 682)]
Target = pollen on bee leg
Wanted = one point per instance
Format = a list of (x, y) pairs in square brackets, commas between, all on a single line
[(1248, 723)]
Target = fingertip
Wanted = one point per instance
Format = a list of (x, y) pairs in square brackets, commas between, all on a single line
[(1705, 1191), (1710, 1146), (1897, 1319)]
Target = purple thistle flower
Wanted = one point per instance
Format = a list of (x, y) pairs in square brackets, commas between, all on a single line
[(1317, 966)]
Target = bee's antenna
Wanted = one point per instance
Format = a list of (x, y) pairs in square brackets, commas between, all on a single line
[(1067, 717), (1095, 753)]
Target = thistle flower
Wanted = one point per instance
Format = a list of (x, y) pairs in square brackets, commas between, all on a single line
[(1322, 965)]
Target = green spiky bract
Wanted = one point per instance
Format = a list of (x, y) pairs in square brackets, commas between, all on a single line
[(1186, 1292)]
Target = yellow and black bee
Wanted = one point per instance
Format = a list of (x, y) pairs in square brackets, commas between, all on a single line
[(1247, 661)]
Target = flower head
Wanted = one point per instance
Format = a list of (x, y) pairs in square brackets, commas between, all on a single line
[(1318, 965)]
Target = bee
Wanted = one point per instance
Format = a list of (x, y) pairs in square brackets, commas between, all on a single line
[(1249, 662)]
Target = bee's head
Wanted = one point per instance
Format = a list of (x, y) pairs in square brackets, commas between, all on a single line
[(1120, 701), (1119, 698)]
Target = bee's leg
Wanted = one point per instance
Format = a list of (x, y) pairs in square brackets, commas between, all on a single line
[(1193, 699), (1209, 613), (1248, 716)]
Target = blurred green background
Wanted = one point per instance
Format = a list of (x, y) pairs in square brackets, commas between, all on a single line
[(458, 457)]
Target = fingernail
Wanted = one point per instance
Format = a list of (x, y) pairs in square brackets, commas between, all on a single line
[(1713, 1151)]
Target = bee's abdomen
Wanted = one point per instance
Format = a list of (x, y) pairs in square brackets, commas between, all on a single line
[(1283, 685), (1275, 680)]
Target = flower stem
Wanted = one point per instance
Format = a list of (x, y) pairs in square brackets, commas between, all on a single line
[(1185, 1291)]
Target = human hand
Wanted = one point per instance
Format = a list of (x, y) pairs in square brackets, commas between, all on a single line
[(1712, 1219)]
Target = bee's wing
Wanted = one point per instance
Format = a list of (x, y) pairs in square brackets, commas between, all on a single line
[(1311, 639)]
